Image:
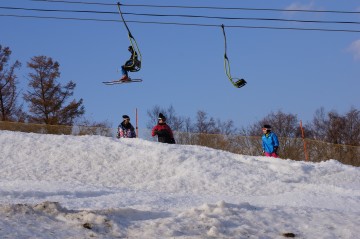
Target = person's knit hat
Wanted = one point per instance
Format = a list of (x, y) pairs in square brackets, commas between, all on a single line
[(267, 126), (161, 116), (126, 117)]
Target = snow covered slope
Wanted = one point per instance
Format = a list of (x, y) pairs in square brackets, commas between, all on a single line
[(97, 187)]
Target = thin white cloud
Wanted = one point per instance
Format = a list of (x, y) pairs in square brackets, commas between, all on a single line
[(299, 6), (354, 49)]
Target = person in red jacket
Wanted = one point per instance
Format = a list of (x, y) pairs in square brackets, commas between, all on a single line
[(163, 131)]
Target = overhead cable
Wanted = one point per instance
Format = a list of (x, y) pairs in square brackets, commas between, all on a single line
[(202, 7), (55, 10), (185, 24), (75, 2), (181, 15), (241, 18)]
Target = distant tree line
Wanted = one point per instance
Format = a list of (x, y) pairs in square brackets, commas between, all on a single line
[(329, 135), (330, 127)]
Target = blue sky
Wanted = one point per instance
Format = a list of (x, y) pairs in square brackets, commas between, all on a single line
[(293, 71)]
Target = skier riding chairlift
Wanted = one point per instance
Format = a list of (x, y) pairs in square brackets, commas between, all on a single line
[(132, 65)]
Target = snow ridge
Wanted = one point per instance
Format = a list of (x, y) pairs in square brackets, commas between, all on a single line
[(94, 186)]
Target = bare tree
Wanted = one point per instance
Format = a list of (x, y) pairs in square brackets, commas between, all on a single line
[(226, 128), (319, 124), (9, 110), (335, 128), (339, 130), (188, 126), (47, 98), (205, 125), (176, 122), (352, 127), (285, 125)]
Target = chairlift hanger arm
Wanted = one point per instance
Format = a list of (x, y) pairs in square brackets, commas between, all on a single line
[(123, 20), (135, 67), (238, 82)]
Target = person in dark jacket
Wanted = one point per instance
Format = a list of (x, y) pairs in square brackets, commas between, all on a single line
[(163, 131), (125, 129), (129, 64), (270, 142)]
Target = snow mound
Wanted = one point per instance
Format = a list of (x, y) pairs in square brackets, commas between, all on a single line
[(58, 186)]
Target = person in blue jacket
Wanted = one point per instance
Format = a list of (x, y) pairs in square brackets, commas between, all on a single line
[(270, 142)]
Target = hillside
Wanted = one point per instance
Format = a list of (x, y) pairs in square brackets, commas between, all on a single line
[(98, 187)]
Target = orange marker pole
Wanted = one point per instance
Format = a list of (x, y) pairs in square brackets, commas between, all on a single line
[(137, 128), (303, 137)]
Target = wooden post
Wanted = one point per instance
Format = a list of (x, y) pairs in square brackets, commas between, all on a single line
[(303, 137)]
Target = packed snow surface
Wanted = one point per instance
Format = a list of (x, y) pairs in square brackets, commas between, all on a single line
[(57, 186)]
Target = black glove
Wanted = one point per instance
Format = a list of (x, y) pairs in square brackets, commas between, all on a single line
[(275, 149), (155, 132)]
